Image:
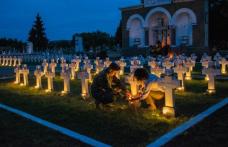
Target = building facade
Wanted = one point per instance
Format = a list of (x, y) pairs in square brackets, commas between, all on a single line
[(170, 22)]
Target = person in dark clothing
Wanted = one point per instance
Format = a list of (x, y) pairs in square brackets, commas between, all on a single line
[(106, 85)]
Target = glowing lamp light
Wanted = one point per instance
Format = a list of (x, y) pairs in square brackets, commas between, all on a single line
[(168, 111), (180, 88), (188, 78), (211, 91), (64, 92), (48, 90), (84, 95), (36, 87), (223, 72), (206, 78)]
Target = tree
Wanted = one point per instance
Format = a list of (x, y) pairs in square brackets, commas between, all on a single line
[(11, 44), (37, 35), (218, 23), (96, 40)]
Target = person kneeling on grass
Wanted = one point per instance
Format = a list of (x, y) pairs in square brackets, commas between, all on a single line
[(149, 88), (106, 86)]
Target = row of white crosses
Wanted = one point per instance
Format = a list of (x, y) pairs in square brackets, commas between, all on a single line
[(10, 61), (218, 59), (38, 73), (65, 75)]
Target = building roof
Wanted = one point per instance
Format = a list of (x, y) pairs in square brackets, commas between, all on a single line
[(132, 7)]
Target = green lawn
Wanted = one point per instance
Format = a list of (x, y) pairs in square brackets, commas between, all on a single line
[(213, 131), (17, 131), (116, 126)]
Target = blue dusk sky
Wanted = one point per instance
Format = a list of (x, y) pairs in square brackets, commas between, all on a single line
[(62, 18)]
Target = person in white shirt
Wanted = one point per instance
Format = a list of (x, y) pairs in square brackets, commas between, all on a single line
[(149, 89)]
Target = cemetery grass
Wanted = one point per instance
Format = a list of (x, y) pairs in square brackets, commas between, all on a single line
[(213, 131), (18, 131), (117, 125)]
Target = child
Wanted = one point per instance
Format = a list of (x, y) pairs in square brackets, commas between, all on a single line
[(149, 87)]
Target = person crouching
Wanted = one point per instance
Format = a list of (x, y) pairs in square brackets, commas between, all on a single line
[(106, 85), (150, 90)]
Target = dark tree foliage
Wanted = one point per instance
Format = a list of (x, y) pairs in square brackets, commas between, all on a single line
[(10, 44), (37, 35), (96, 39), (218, 21), (118, 35)]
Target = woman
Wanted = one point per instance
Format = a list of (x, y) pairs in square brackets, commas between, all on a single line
[(106, 85)]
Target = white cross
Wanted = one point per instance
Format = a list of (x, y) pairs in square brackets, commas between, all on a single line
[(84, 77), (99, 66), (224, 63), (157, 71), (63, 65), (38, 74), (17, 72), (189, 64), (15, 61), (180, 70), (122, 65), (135, 64), (77, 64), (73, 69), (152, 64), (10, 61), (167, 64), (88, 67), (45, 65), (66, 80), (49, 75), (6, 61), (168, 84), (53, 66), (107, 62), (211, 72), (25, 72), (133, 85)]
